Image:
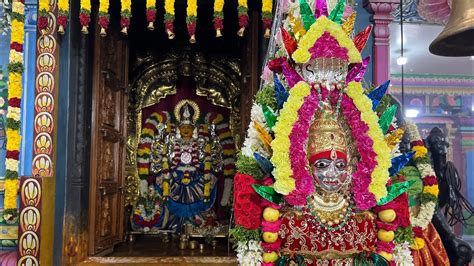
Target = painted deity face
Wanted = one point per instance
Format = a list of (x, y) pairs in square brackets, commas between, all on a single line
[(330, 170), (186, 131)]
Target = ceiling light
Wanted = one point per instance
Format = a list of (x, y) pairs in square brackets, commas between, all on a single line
[(411, 113), (401, 61)]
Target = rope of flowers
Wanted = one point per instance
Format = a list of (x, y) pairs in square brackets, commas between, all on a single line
[(218, 17), (43, 9), (84, 15), (267, 16), (125, 15), (144, 151), (104, 17), (243, 17), (13, 137), (150, 13), (169, 18), (191, 19), (63, 14), (429, 196)]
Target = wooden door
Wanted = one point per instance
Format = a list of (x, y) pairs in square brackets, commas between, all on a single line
[(108, 133)]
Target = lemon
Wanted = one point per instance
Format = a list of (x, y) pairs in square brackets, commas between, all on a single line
[(387, 216), (270, 237), (386, 236), (270, 214), (270, 257)]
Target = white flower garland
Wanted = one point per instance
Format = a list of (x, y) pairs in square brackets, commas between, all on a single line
[(402, 255), (253, 143), (249, 253), (427, 209)]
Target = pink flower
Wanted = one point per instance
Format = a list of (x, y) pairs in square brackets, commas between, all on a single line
[(271, 226)]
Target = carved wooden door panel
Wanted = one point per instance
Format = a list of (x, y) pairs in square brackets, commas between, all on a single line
[(108, 133)]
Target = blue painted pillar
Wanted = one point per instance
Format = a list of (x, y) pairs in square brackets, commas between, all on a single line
[(470, 176), (27, 103)]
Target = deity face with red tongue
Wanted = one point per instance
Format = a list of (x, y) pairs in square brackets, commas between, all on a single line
[(327, 155)]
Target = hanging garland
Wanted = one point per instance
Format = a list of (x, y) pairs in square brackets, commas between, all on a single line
[(243, 17), (267, 16), (104, 17), (125, 15), (43, 8), (218, 17), (429, 196), (191, 18), (169, 18), (63, 14), (13, 137), (151, 13), (84, 15)]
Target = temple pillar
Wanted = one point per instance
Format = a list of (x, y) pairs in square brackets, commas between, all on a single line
[(28, 88), (381, 10)]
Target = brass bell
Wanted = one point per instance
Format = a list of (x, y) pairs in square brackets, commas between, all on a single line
[(457, 37)]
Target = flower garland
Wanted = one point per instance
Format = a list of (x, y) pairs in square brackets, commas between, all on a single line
[(243, 17), (125, 15), (150, 13), (43, 9), (84, 15), (429, 196), (191, 18), (13, 137), (218, 17), (144, 152), (322, 25), (284, 181), (63, 14), (104, 17), (267, 16), (380, 175), (169, 18), (298, 138), (361, 178), (249, 253)]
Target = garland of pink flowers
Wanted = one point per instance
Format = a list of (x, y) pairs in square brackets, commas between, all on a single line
[(362, 176), (298, 136)]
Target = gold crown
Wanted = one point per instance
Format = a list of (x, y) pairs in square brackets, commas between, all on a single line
[(326, 134)]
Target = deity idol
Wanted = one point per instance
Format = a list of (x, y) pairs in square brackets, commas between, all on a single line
[(318, 173), (181, 167)]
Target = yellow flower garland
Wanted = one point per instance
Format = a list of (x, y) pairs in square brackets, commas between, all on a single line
[(380, 174), (218, 5), (191, 10), (284, 181), (104, 6), (267, 6), (169, 7), (323, 24), (13, 136)]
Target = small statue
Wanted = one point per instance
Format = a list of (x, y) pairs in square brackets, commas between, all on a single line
[(147, 214), (450, 198)]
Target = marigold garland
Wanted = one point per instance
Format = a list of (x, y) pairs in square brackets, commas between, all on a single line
[(191, 19), (63, 14), (267, 16), (243, 17), (104, 17), (43, 9), (13, 137), (125, 15), (169, 18), (84, 15), (151, 13), (219, 17), (380, 175), (284, 181), (323, 24)]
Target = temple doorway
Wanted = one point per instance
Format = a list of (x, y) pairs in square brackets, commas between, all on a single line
[(165, 129)]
